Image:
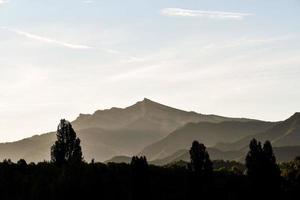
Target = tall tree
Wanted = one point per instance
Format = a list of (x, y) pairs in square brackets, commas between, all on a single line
[(67, 148), (200, 172), (140, 182), (261, 161), (262, 169), (254, 159), (271, 169), (200, 161)]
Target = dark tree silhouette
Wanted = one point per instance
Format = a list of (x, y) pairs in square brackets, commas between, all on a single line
[(67, 148), (139, 164), (201, 172), (200, 161), (254, 159), (272, 171), (139, 171), (262, 170), (270, 159), (22, 162)]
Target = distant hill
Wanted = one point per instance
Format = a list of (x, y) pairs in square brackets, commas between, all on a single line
[(283, 154), (119, 159), (208, 133), (287, 153), (115, 131), (183, 155), (285, 133)]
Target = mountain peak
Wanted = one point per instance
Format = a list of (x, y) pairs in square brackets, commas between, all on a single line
[(147, 102)]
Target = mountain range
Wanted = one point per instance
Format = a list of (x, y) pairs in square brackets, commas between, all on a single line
[(285, 133), (206, 132), (161, 133), (283, 154)]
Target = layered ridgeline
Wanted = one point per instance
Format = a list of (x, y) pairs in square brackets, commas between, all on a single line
[(285, 133), (285, 137), (283, 154), (116, 131), (161, 133), (181, 155), (206, 132)]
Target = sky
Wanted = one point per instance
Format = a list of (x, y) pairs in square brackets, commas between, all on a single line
[(59, 58)]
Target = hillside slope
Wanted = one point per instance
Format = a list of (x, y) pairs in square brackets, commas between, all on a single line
[(285, 133), (283, 154), (205, 132), (115, 131)]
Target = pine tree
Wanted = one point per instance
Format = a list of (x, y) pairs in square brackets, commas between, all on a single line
[(67, 148)]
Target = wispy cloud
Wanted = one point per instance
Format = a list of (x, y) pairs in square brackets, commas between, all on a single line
[(203, 14), (47, 39)]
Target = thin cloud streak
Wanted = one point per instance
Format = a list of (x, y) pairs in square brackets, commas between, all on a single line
[(161, 60), (46, 39), (179, 12)]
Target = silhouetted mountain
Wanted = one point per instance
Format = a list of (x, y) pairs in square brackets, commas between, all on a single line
[(285, 133), (205, 132), (115, 131)]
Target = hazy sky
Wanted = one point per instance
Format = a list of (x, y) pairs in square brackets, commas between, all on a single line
[(59, 58)]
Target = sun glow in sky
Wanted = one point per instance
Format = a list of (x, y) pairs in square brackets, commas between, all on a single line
[(59, 58)]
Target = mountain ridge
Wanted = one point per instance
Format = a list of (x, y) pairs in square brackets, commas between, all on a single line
[(284, 133), (110, 132), (127, 131), (205, 132)]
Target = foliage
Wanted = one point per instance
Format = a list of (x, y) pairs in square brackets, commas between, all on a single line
[(262, 169), (67, 148), (139, 177), (200, 171), (196, 180), (200, 161)]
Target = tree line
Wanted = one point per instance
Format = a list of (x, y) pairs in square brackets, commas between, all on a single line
[(68, 176)]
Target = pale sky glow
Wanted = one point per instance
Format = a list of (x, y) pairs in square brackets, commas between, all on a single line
[(59, 58), (3, 1)]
